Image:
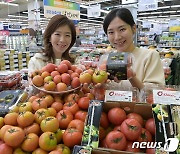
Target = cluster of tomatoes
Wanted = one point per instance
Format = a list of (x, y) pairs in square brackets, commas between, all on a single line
[(45, 124), (119, 130), (59, 78), (65, 77)]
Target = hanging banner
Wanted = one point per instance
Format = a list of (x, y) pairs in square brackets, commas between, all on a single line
[(69, 9), (174, 25), (94, 11), (147, 5)]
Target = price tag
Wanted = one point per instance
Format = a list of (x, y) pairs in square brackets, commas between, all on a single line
[(166, 97), (120, 96)]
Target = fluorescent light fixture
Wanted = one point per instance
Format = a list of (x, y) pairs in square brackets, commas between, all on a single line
[(164, 7), (156, 12), (12, 4), (173, 6), (17, 16), (175, 15)]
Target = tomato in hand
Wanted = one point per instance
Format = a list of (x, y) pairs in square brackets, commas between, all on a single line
[(116, 140), (72, 137), (131, 129)]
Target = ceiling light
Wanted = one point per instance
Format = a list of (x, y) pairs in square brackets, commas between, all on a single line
[(164, 7), (17, 16), (173, 6), (12, 4)]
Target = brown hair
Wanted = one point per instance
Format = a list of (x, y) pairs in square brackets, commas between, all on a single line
[(55, 22)]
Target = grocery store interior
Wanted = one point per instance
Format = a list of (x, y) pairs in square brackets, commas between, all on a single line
[(97, 104)]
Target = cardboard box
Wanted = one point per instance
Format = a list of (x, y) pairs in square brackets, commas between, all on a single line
[(145, 110)]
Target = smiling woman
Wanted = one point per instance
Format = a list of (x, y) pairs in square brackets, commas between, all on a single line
[(120, 28), (59, 37)]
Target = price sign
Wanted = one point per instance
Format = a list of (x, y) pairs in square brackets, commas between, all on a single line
[(147, 5), (122, 96), (166, 97)]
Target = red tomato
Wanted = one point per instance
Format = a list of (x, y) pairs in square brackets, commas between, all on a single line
[(136, 116), (130, 149), (104, 122), (57, 106), (39, 103), (14, 136), (150, 151), (83, 102), (102, 133), (150, 126), (71, 106), (77, 124), (72, 97), (72, 137), (30, 143), (5, 149), (39, 151), (116, 140), (131, 129), (34, 128), (116, 115), (145, 136), (25, 119), (64, 117), (3, 130), (118, 128), (48, 141), (81, 115), (11, 118)]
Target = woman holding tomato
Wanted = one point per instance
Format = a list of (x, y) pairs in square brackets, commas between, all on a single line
[(120, 28), (59, 37)]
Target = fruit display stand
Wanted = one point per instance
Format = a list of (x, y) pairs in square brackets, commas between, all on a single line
[(70, 119)]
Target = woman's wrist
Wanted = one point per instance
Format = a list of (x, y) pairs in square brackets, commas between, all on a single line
[(136, 83)]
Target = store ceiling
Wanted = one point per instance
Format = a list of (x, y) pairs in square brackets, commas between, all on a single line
[(167, 9)]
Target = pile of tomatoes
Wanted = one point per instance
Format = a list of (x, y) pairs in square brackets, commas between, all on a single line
[(119, 130), (45, 124), (65, 76)]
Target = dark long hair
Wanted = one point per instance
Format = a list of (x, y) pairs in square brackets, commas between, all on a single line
[(55, 22), (123, 13)]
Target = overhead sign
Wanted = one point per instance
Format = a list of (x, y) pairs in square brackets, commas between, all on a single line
[(14, 26), (147, 5), (69, 9), (94, 10)]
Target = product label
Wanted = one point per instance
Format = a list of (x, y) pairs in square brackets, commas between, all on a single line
[(123, 96), (166, 97)]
